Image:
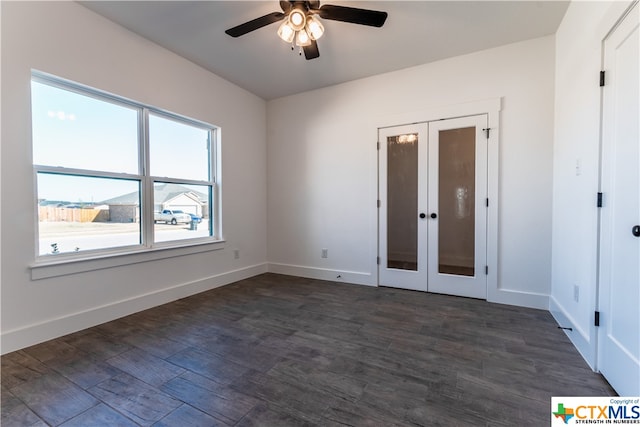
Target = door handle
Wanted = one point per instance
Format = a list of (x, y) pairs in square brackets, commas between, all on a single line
[(636, 230), (423, 215), (434, 215)]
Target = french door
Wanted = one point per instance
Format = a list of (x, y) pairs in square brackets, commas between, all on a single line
[(432, 210), (403, 206), (619, 281)]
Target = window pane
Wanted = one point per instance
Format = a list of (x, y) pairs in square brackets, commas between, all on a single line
[(456, 201), (79, 213), (402, 202), (92, 178), (76, 131), (181, 211), (178, 150)]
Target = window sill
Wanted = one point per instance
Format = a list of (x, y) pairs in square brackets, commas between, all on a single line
[(62, 267)]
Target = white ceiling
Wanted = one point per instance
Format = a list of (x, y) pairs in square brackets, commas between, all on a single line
[(416, 32)]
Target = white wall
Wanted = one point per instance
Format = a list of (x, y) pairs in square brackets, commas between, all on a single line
[(322, 164), (576, 140), (68, 40)]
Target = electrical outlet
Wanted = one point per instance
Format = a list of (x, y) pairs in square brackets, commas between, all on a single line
[(576, 293), (325, 253), (236, 254)]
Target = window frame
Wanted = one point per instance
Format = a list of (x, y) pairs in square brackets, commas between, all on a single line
[(146, 187)]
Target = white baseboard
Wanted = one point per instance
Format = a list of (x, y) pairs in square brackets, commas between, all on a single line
[(578, 336), (519, 298), (33, 334), (501, 296), (354, 277)]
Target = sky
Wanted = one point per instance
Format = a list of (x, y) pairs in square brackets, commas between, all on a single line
[(77, 131)]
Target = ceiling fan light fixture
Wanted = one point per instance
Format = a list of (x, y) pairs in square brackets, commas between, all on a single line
[(300, 24), (303, 38), (314, 28), (297, 19), (286, 32)]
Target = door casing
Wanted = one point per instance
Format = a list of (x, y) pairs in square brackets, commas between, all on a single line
[(490, 107)]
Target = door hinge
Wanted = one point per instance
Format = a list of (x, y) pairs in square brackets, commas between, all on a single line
[(487, 130), (599, 201), (486, 270), (596, 319), (378, 260), (601, 78), (487, 202), (379, 204), (377, 145)]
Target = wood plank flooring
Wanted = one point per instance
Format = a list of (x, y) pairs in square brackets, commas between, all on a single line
[(284, 351)]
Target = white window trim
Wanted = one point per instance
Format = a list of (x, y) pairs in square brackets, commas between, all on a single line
[(55, 267), (46, 266)]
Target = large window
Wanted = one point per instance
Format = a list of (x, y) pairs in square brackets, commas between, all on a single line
[(115, 176)]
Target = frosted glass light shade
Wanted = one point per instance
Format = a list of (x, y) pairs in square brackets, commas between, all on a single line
[(285, 32), (297, 19), (303, 38), (314, 28)]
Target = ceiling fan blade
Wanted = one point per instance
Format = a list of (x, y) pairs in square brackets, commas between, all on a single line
[(311, 51), (285, 5), (353, 15), (252, 25)]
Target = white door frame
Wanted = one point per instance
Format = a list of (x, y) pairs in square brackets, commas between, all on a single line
[(492, 108)]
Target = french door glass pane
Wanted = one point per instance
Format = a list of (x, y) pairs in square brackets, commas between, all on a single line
[(456, 201), (79, 213), (178, 150), (78, 131), (181, 211), (402, 202)]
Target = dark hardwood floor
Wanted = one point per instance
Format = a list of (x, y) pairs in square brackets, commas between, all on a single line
[(284, 351)]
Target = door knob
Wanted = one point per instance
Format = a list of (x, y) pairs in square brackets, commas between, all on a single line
[(636, 230), (423, 215), (434, 215)]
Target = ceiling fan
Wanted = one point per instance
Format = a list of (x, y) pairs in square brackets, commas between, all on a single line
[(301, 25)]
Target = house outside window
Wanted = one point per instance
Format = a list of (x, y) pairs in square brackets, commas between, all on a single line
[(114, 176)]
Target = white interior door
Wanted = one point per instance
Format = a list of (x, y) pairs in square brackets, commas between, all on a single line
[(432, 211), (402, 209), (619, 284), (457, 231)]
